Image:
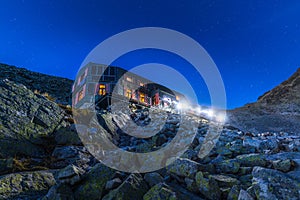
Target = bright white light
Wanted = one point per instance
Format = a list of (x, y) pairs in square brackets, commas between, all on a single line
[(198, 110), (210, 113), (221, 118), (181, 106)]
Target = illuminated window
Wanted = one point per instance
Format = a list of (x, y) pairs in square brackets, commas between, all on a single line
[(142, 97), (141, 84), (177, 98), (102, 89), (80, 95), (128, 93), (129, 79)]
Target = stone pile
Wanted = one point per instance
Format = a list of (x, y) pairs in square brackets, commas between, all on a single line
[(42, 157)]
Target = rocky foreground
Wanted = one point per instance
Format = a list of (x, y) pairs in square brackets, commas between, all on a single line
[(42, 157)]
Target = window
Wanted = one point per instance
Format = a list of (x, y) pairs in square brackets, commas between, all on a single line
[(102, 89), (112, 71), (94, 70), (141, 84), (91, 89), (142, 97), (129, 79), (109, 78), (128, 93), (80, 95), (81, 78), (106, 72), (177, 98), (95, 78)]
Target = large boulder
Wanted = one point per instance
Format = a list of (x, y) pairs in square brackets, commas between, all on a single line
[(208, 187), (66, 155), (230, 166), (251, 160), (134, 187), (160, 191), (26, 121), (184, 167), (273, 184), (93, 185), (26, 185)]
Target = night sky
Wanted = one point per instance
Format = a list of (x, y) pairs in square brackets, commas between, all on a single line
[(255, 44)]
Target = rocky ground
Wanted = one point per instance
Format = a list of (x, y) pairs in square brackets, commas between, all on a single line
[(276, 110), (58, 88), (42, 157)]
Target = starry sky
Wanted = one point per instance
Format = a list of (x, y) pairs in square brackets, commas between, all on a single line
[(255, 44)]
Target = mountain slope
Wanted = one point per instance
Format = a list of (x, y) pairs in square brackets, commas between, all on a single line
[(278, 110), (59, 88)]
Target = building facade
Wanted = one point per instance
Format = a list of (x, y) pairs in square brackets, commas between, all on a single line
[(97, 82)]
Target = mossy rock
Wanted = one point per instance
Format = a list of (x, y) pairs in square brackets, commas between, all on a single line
[(273, 184), (252, 160), (160, 192), (208, 187), (27, 185), (6, 165), (231, 166), (93, 184), (183, 167), (134, 187)]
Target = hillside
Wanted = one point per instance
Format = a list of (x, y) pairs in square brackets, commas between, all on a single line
[(278, 110), (59, 88), (42, 157)]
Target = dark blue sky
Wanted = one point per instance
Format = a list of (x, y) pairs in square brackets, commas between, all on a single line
[(255, 44)]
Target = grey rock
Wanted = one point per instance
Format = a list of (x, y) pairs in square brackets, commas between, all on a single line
[(273, 184), (207, 187), (160, 191), (70, 174), (296, 171), (67, 136), (245, 170), (153, 178), (182, 193), (249, 142), (245, 180), (191, 185), (67, 155), (234, 193), (134, 187), (282, 165), (270, 144), (93, 185), (183, 167), (59, 192), (244, 195), (225, 181), (112, 184), (224, 150), (26, 185), (251, 160), (228, 166), (25, 121)]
